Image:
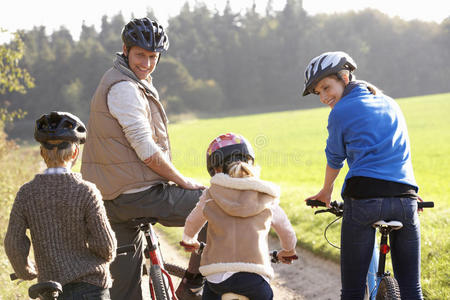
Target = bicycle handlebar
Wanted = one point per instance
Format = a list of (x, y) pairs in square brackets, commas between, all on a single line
[(337, 208), (425, 204), (314, 203), (274, 257), (122, 250)]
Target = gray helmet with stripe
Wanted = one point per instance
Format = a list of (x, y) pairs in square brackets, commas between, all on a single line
[(324, 65)]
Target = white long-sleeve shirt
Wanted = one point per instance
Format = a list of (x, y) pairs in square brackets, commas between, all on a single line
[(127, 105), (130, 109)]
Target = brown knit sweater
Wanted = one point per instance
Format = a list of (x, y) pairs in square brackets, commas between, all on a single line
[(72, 238)]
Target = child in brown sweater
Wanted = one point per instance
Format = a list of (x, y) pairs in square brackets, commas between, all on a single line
[(72, 240)]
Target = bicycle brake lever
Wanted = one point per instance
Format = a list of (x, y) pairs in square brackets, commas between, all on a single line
[(200, 250)]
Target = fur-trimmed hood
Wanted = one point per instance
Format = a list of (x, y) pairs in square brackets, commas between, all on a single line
[(243, 197)]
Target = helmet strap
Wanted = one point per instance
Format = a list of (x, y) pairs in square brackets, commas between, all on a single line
[(350, 77), (125, 58), (60, 146)]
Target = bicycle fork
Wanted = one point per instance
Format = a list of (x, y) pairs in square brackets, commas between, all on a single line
[(153, 253)]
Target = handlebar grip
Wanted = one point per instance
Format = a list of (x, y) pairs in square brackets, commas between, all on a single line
[(292, 257), (425, 204), (315, 203), (274, 256), (126, 249)]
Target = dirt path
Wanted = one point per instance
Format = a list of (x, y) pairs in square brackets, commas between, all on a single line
[(310, 277)]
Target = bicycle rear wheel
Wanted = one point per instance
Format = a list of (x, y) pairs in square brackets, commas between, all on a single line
[(158, 283), (388, 289)]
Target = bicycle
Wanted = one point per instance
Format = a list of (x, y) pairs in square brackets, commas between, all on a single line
[(380, 284), (51, 290), (160, 282), (232, 296), (274, 259)]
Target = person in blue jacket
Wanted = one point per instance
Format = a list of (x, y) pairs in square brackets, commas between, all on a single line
[(367, 128)]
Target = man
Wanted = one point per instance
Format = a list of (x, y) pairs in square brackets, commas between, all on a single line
[(128, 156)]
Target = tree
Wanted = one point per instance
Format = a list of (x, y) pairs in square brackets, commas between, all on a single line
[(12, 77), (110, 33)]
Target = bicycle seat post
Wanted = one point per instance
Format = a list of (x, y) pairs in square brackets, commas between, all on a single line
[(385, 228), (384, 249)]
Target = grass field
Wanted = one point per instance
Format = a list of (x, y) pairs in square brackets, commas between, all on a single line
[(290, 149), (17, 168)]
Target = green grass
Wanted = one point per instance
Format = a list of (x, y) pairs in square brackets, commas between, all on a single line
[(290, 146), (17, 167), (290, 149)]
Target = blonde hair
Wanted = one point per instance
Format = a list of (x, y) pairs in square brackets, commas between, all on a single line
[(240, 169), (58, 157), (373, 89)]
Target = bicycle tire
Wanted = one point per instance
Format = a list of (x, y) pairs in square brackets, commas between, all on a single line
[(175, 270), (388, 289), (158, 283)]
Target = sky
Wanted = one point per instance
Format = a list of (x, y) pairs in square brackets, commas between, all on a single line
[(25, 14)]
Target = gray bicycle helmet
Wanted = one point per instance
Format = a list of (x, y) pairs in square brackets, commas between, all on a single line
[(59, 126), (146, 34), (324, 65)]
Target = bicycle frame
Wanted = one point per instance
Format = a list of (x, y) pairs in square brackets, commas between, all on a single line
[(377, 267), (154, 257), (372, 280), (376, 271)]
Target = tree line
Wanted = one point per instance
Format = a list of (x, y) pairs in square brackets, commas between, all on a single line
[(222, 61)]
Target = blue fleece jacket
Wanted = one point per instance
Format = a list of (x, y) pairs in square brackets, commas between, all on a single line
[(370, 132)]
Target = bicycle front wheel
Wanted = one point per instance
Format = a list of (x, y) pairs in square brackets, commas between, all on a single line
[(158, 283), (388, 289)]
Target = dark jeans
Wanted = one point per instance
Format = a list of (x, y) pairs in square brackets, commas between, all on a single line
[(84, 291), (170, 204), (250, 285), (358, 237)]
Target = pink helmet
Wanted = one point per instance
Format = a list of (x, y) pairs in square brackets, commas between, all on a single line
[(226, 148)]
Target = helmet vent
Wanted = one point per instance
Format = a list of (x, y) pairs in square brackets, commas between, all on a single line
[(67, 125)]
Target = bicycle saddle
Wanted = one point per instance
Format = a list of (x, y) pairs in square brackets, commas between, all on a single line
[(44, 287), (393, 224), (232, 296), (144, 220)]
